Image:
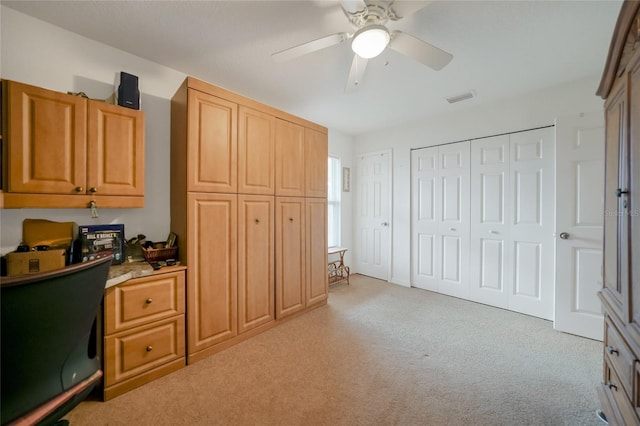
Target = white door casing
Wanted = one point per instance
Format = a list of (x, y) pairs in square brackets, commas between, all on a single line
[(579, 206), (490, 257), (373, 210)]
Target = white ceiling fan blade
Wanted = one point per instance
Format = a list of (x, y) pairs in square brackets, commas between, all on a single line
[(310, 47), (353, 6), (358, 66), (405, 8), (419, 50)]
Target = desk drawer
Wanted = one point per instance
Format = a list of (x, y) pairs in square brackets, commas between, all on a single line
[(136, 351), (142, 300), (619, 356), (623, 413)]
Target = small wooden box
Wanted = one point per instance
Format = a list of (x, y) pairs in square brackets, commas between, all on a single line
[(31, 262)]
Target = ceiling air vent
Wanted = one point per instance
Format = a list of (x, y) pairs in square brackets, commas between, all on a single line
[(462, 97)]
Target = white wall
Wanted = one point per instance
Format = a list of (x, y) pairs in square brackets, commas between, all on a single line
[(37, 53), (519, 113), (341, 146)]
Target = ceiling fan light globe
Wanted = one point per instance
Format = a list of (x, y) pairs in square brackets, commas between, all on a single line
[(370, 41)]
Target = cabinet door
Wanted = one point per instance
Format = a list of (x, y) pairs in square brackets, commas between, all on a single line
[(212, 272), (290, 159), (316, 250), (46, 140), (316, 151), (290, 256), (255, 261), (115, 150), (212, 138), (632, 211), (615, 289), (256, 152)]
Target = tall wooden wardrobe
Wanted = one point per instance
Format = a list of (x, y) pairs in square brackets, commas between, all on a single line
[(619, 391), (249, 207)]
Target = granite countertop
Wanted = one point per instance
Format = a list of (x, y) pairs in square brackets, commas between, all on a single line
[(126, 271)]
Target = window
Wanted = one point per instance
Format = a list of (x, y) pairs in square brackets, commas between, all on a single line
[(333, 202)]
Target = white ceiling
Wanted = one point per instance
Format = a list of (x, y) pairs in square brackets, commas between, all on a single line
[(500, 48)]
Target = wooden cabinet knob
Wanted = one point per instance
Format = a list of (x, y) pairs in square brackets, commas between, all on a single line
[(257, 220), (149, 348), (79, 189), (148, 301), (93, 190), (290, 219)]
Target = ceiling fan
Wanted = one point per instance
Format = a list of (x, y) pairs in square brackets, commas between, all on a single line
[(371, 37)]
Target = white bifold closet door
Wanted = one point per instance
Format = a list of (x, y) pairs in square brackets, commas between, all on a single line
[(512, 214), (440, 218), (503, 231)]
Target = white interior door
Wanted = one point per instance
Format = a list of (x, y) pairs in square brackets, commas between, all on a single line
[(532, 189), (579, 207), (453, 226), (373, 214), (425, 213), (490, 265)]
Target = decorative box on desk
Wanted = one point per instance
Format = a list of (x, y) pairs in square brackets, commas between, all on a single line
[(143, 330), (338, 272)]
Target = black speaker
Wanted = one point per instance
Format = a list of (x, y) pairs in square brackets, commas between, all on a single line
[(128, 93)]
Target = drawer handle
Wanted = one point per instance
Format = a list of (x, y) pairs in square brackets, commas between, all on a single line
[(290, 219), (149, 301), (257, 221), (611, 386), (612, 351), (149, 348)]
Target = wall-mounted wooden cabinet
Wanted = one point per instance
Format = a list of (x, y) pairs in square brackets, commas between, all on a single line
[(65, 151), (235, 164)]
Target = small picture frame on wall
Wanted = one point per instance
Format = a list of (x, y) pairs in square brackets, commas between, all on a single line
[(346, 179)]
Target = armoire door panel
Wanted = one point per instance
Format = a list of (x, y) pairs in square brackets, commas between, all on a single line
[(212, 273), (316, 251), (290, 159), (256, 291), (316, 153), (616, 125), (212, 154), (290, 245), (256, 152)]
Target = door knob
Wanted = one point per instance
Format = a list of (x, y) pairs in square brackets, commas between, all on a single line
[(564, 235)]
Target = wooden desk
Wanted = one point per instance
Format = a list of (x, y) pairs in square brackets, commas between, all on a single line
[(338, 271)]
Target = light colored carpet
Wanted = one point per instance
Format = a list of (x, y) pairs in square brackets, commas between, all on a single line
[(379, 354)]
